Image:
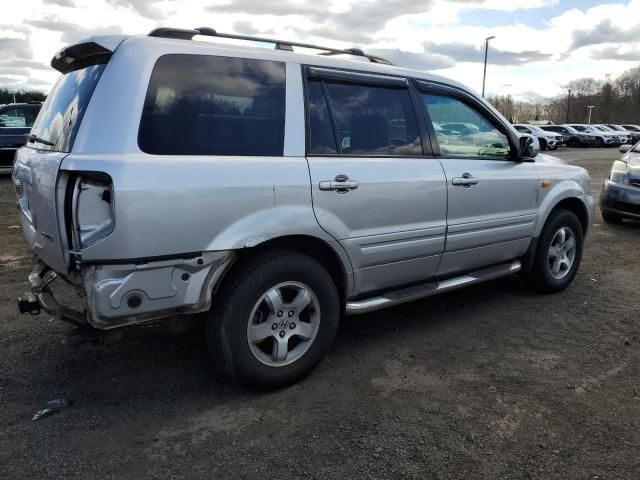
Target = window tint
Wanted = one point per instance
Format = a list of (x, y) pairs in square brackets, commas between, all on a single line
[(522, 129), (17, 117), (206, 105), (374, 120), (321, 134), (462, 131)]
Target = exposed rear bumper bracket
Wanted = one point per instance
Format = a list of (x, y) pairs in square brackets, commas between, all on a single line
[(41, 298)]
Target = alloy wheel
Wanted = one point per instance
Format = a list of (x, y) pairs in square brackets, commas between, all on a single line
[(283, 324), (562, 253)]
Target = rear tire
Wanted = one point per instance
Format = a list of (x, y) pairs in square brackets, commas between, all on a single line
[(274, 319), (558, 253), (611, 218)]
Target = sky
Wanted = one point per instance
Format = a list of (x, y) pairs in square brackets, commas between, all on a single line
[(539, 45)]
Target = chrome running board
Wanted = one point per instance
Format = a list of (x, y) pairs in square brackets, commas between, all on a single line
[(417, 292)]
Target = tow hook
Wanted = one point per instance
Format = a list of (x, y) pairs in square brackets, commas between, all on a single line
[(29, 304)]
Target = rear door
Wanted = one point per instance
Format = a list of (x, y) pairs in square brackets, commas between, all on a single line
[(375, 185), (492, 199)]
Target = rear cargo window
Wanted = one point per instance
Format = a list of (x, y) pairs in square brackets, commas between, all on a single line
[(62, 112), (207, 105)]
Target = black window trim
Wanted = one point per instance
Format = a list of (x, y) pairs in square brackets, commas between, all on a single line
[(321, 74), (352, 76), (437, 88)]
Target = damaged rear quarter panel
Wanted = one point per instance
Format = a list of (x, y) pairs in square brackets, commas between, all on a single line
[(169, 205)]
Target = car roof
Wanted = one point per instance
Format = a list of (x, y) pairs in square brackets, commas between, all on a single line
[(213, 46)]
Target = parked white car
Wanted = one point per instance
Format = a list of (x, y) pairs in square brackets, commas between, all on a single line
[(624, 136), (548, 140)]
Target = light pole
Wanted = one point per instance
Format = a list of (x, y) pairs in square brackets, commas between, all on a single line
[(568, 105), (486, 49), (590, 107)]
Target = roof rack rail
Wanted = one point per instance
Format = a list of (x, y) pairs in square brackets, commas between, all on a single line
[(185, 34)]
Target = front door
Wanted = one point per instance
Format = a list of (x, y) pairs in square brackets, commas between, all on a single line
[(492, 199), (373, 187)]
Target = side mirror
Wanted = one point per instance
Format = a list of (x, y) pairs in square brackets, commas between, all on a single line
[(529, 147), (625, 148)]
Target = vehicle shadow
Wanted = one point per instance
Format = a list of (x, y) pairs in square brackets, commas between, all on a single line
[(155, 372)]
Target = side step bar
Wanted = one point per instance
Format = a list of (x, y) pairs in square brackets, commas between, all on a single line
[(417, 292)]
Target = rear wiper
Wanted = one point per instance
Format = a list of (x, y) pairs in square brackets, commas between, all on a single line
[(34, 138)]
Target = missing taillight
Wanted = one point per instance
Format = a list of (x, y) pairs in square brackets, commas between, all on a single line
[(92, 209)]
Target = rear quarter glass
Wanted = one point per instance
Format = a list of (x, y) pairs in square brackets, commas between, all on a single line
[(209, 105)]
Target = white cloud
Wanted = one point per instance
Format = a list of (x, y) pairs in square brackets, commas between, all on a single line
[(425, 34)]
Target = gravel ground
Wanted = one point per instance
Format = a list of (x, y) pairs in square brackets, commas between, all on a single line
[(490, 382)]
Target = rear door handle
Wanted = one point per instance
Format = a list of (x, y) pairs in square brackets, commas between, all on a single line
[(466, 180), (341, 184)]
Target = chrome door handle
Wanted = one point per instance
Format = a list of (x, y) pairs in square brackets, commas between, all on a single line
[(340, 184), (466, 180)]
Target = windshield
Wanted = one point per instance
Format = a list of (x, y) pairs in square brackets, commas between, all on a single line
[(534, 128), (580, 128), (61, 114)]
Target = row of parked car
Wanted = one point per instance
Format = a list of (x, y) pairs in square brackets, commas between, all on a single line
[(582, 135), (16, 120)]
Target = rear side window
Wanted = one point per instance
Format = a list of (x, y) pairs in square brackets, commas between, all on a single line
[(367, 120), (321, 134), (17, 117), (206, 105)]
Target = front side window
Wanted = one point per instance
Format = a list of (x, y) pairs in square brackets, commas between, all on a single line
[(462, 131), (371, 120), (207, 105), (17, 117)]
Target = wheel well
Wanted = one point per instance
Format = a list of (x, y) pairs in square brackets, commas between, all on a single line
[(576, 206), (311, 246)]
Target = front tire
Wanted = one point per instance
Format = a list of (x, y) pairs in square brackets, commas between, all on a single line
[(543, 144), (558, 253), (274, 319)]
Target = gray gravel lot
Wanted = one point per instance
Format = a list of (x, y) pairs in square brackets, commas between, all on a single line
[(490, 382)]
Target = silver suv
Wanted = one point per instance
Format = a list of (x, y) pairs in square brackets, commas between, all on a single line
[(275, 191)]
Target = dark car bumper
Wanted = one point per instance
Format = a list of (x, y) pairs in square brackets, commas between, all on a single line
[(7, 156), (589, 142), (619, 199)]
